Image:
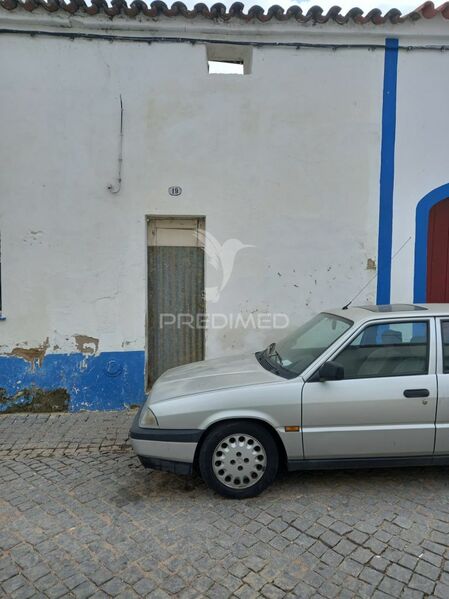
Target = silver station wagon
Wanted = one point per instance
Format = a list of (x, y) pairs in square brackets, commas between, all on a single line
[(360, 387)]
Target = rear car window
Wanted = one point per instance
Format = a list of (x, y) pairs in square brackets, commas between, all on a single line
[(445, 338)]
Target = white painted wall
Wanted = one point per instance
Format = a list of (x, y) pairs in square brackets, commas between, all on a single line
[(422, 133), (285, 159)]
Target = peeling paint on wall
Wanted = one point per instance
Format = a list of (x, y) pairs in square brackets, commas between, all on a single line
[(86, 344), (32, 355), (106, 381)]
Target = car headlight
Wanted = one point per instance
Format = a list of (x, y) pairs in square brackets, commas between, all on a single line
[(148, 419)]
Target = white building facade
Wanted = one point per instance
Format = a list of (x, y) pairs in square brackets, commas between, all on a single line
[(136, 185)]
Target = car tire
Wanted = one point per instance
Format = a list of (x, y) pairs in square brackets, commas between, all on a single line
[(239, 459)]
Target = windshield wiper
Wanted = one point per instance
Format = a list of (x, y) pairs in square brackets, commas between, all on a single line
[(276, 367), (272, 352)]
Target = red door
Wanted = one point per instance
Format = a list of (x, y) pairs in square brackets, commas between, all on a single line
[(438, 253)]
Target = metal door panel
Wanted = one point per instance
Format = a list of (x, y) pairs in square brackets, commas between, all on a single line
[(175, 294), (442, 419), (371, 417), (368, 417)]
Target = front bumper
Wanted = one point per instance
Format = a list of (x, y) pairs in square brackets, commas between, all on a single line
[(172, 450)]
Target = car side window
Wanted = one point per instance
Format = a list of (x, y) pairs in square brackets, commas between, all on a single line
[(388, 349), (445, 338)]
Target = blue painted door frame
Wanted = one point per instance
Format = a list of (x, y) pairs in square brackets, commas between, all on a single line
[(421, 234)]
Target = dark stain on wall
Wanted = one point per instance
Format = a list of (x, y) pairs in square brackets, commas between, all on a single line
[(34, 400)]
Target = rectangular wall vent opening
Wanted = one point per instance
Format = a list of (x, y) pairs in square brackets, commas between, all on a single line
[(225, 67), (228, 59)]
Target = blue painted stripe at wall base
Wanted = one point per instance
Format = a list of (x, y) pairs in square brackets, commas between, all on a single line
[(107, 381), (384, 252)]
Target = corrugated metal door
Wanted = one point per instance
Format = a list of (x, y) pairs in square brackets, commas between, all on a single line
[(175, 293), (438, 253)]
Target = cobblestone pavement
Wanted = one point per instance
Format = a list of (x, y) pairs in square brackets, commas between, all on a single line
[(96, 524), (67, 433)]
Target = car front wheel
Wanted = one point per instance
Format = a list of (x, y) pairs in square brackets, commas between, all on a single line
[(239, 460)]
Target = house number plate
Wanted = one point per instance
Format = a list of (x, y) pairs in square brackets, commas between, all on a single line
[(175, 190)]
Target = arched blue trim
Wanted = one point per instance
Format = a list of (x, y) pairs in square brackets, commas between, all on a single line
[(421, 232), (387, 171)]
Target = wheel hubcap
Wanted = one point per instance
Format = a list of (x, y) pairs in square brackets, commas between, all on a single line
[(239, 461)]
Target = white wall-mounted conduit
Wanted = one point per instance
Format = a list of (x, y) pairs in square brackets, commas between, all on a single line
[(116, 188)]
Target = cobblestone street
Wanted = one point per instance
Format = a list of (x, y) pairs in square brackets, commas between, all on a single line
[(84, 519)]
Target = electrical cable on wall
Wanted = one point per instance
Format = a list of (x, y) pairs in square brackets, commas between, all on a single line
[(256, 44)]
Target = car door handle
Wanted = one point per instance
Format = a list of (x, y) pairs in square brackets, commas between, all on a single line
[(416, 393)]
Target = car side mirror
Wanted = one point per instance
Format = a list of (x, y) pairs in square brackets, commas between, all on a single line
[(331, 371)]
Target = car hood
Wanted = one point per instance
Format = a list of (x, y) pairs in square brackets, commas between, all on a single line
[(210, 375)]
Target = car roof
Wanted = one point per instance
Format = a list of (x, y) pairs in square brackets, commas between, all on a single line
[(381, 311)]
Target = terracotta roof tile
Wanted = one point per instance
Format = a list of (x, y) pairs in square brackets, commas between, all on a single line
[(236, 11)]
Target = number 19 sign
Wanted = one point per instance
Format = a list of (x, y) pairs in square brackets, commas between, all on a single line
[(175, 190)]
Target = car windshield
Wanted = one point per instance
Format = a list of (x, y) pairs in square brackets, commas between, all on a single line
[(297, 351)]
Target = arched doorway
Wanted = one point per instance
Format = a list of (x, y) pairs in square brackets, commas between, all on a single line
[(437, 283), (431, 272)]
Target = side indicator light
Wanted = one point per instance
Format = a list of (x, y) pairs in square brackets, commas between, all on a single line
[(292, 429)]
